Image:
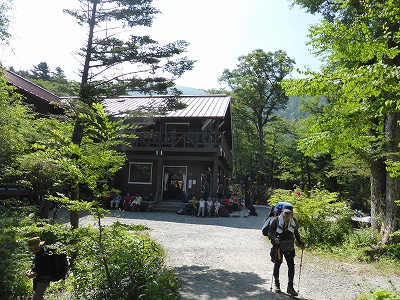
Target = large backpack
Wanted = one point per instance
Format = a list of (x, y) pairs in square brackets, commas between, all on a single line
[(60, 261), (279, 206), (277, 209), (265, 227)]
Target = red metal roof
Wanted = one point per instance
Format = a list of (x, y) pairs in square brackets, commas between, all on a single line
[(199, 106), (31, 88)]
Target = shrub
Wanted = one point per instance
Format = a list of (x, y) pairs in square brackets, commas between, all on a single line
[(115, 262), (318, 214), (380, 295), (126, 265), (15, 259)]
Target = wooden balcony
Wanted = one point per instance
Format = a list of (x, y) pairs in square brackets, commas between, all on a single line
[(184, 141)]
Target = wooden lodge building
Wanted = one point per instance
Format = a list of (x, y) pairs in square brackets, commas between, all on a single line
[(182, 153), (41, 100)]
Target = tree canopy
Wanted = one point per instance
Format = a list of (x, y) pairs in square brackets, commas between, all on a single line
[(5, 6), (358, 41), (257, 96), (114, 60)]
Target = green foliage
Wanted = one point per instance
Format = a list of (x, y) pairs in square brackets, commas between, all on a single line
[(357, 239), (256, 97), (393, 250), (59, 86), (142, 58), (135, 265), (380, 295), (54, 82), (135, 262), (15, 127), (41, 71), (5, 7), (359, 43), (14, 257), (318, 213), (56, 163)]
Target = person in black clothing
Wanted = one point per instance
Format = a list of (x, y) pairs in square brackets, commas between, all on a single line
[(43, 265), (282, 232)]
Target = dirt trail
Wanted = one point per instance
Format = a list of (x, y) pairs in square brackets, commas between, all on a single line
[(228, 258)]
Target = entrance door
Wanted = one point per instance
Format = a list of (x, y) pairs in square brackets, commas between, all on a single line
[(174, 181)]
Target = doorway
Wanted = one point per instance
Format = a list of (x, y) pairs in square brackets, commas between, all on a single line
[(174, 180)]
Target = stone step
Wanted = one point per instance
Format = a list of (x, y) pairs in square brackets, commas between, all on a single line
[(167, 206)]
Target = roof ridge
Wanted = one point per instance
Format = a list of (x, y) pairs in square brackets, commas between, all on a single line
[(8, 73), (171, 96)]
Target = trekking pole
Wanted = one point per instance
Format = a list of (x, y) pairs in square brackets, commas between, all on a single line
[(301, 263), (272, 279)]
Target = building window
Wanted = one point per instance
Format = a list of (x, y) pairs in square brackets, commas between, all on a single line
[(140, 172)]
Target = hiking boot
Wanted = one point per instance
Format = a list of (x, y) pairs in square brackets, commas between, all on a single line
[(277, 286), (290, 290)]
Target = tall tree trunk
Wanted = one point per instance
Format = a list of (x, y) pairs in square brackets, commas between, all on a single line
[(73, 214), (272, 164), (261, 153), (84, 95), (88, 54), (261, 149), (378, 191), (391, 211)]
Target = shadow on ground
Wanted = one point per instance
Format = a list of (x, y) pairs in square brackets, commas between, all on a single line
[(204, 283), (250, 222)]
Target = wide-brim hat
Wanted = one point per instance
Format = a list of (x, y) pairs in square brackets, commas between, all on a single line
[(35, 242)]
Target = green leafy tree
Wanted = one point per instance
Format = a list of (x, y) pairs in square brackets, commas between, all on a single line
[(53, 81), (41, 71), (284, 162), (56, 163), (15, 129), (257, 94), (5, 6), (115, 62), (23, 73), (360, 83), (59, 86)]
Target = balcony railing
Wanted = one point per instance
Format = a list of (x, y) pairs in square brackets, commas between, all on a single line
[(180, 140)]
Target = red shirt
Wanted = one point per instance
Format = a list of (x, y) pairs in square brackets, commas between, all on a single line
[(227, 202)]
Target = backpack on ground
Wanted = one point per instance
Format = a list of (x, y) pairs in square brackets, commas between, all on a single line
[(181, 211), (223, 212), (60, 261), (252, 210)]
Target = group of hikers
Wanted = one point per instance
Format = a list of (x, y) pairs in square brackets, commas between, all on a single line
[(128, 202), (218, 207)]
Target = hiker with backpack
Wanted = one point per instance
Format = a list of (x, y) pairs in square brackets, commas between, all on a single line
[(48, 265), (43, 265), (282, 231)]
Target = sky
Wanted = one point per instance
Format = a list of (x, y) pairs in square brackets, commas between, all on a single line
[(219, 31)]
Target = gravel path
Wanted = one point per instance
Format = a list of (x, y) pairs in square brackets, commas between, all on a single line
[(228, 258)]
